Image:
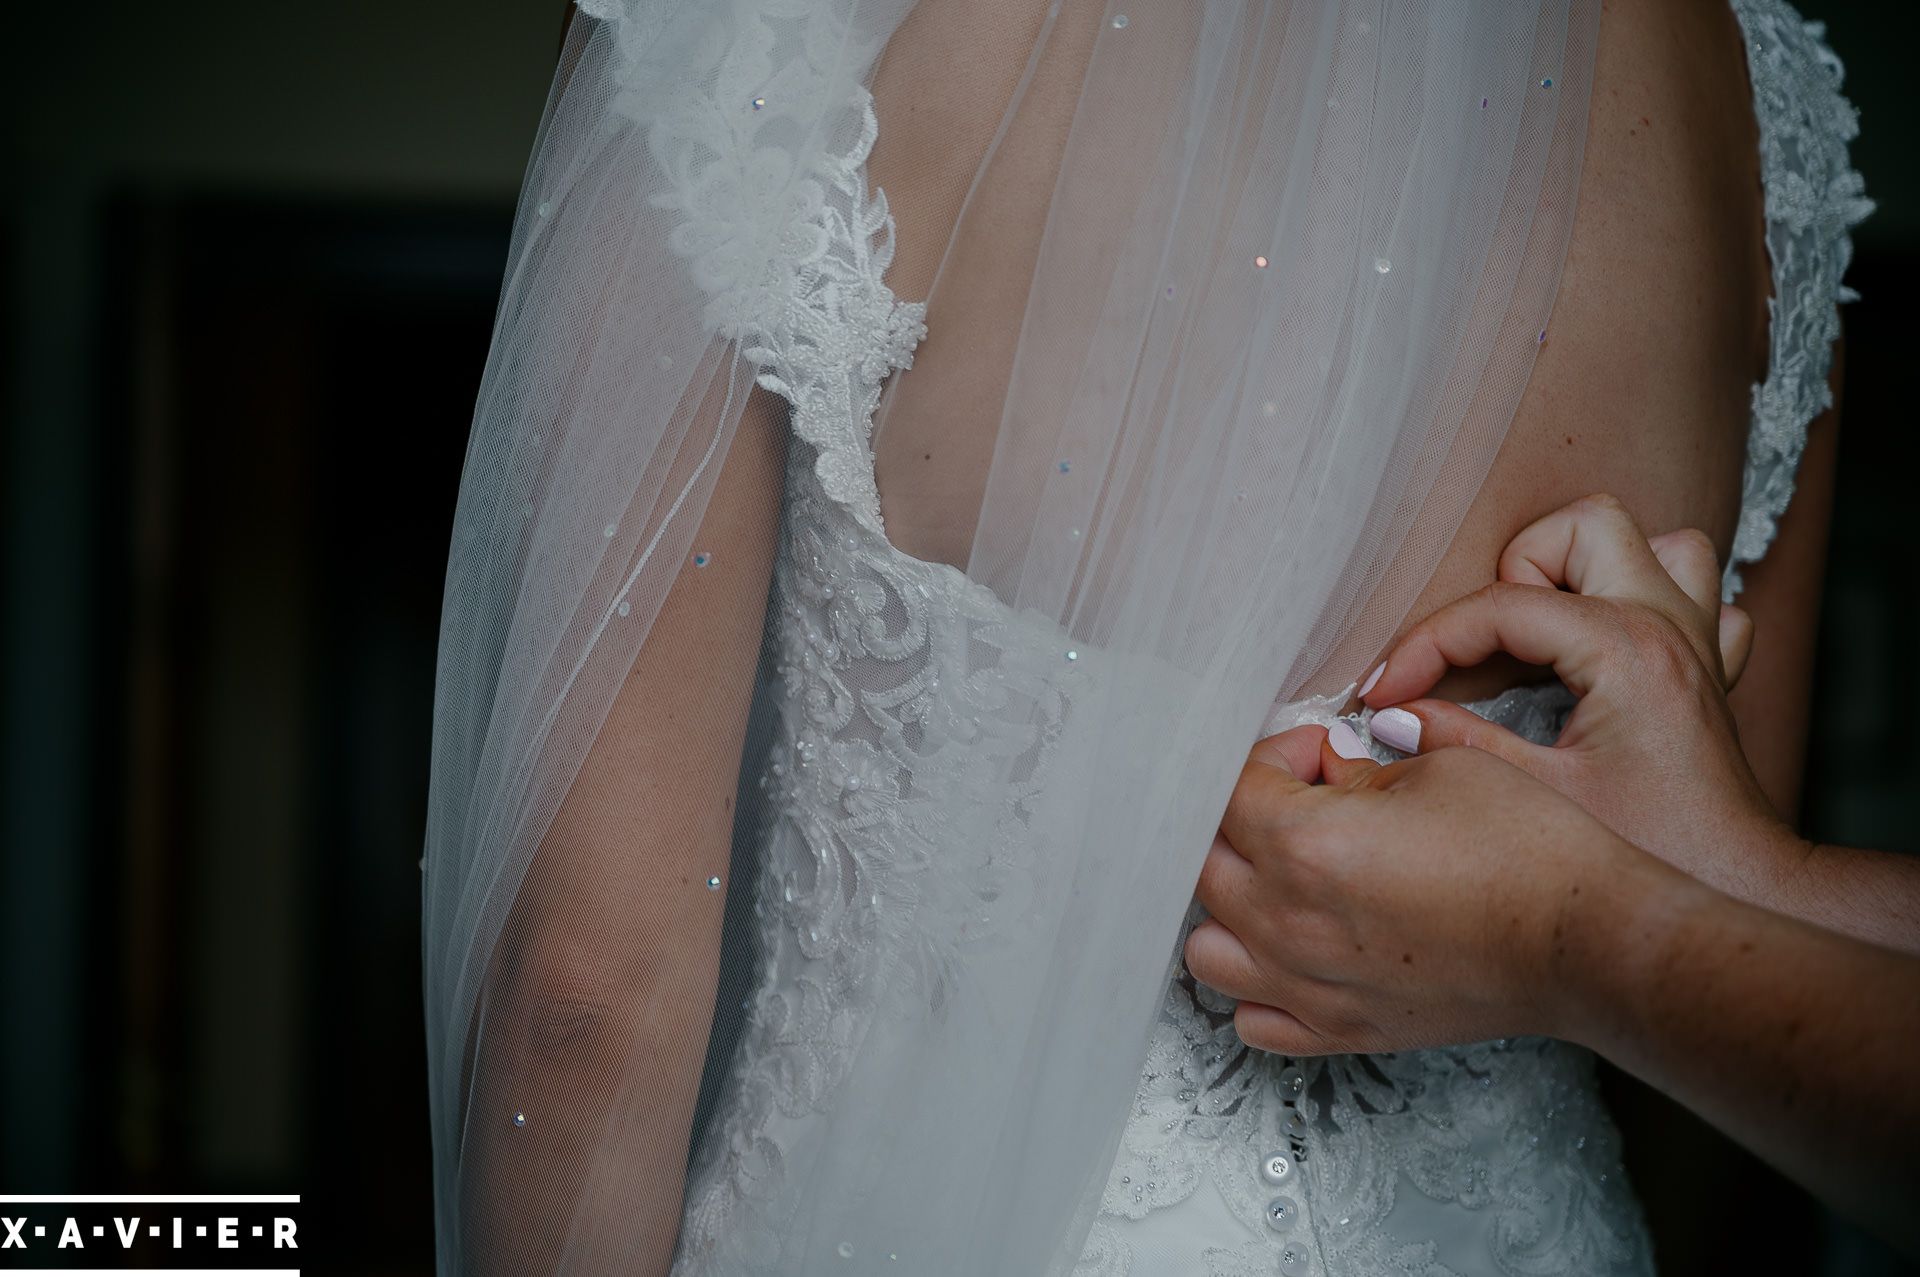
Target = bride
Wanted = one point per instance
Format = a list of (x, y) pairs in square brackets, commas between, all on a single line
[(923, 445)]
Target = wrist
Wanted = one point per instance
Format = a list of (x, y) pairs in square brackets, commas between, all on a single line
[(1608, 943), (1781, 869)]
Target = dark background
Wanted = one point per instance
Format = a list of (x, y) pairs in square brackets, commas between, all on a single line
[(250, 259)]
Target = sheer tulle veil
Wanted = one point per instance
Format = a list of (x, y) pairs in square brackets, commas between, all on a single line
[(1295, 263)]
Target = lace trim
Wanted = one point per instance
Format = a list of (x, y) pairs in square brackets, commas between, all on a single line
[(1512, 1129), (906, 690), (791, 252), (1813, 197), (1506, 1128)]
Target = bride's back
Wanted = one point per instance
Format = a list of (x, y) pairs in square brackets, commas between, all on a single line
[(1642, 384)]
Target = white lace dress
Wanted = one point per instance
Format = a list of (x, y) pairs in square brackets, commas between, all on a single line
[(1495, 1158)]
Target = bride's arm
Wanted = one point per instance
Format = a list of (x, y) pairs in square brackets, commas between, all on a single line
[(600, 996), (1773, 704)]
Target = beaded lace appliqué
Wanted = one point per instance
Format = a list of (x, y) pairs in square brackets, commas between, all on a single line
[(1813, 197), (1514, 1129), (905, 690), (897, 677)]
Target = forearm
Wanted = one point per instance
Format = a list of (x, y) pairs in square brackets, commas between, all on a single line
[(580, 1112), (597, 1009), (1799, 1043), (1869, 895)]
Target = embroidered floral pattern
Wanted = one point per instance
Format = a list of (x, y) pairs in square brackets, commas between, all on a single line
[(903, 684), (1813, 198), (1513, 1129), (905, 690)]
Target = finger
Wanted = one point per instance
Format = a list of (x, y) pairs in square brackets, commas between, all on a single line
[(1343, 756), (1537, 625), (1420, 727), (1592, 546), (1736, 642), (1218, 960), (1690, 559), (1268, 1028), (1295, 751), (1226, 882), (1261, 805), (1277, 768)]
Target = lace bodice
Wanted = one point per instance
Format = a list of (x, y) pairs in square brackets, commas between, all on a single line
[(902, 683), (1498, 1155)]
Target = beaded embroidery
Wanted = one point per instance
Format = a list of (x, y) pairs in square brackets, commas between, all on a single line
[(897, 676)]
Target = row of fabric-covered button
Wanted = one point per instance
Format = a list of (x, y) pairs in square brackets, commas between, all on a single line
[(1278, 1168)]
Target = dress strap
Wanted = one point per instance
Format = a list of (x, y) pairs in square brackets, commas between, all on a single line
[(1813, 198), (783, 236)]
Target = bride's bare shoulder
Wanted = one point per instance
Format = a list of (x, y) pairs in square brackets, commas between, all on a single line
[(1643, 386)]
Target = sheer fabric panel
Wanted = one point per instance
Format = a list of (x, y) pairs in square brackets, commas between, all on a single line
[(1235, 301)]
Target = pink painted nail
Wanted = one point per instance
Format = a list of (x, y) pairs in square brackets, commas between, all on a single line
[(1346, 741), (1397, 729), (1372, 678)]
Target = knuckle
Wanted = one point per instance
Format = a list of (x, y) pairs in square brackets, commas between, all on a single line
[(1605, 513), (1496, 598), (1696, 542), (1247, 818), (1508, 597), (1346, 1025), (1498, 592), (1673, 657), (1195, 954), (1601, 505), (1262, 1035), (1258, 808), (1450, 762), (1209, 886), (1645, 630)]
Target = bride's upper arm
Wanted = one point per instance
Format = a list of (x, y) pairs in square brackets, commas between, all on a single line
[(1773, 703)]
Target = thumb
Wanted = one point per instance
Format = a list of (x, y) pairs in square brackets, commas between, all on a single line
[(1420, 727), (1343, 756), (1295, 752)]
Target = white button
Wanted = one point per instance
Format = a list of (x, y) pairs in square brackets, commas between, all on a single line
[(1293, 1259), (1276, 1168), (1292, 1082), (1294, 1123), (1282, 1213)]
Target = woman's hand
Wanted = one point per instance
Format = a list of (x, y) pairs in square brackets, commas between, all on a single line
[(1636, 630), (1452, 898), (1432, 901)]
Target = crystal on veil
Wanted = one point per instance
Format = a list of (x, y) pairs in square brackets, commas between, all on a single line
[(907, 690)]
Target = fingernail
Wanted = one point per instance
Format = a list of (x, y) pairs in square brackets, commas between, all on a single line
[(1372, 678), (1346, 741), (1397, 729)]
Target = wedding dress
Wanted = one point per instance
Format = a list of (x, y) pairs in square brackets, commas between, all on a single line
[(1493, 1158), (907, 690)]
